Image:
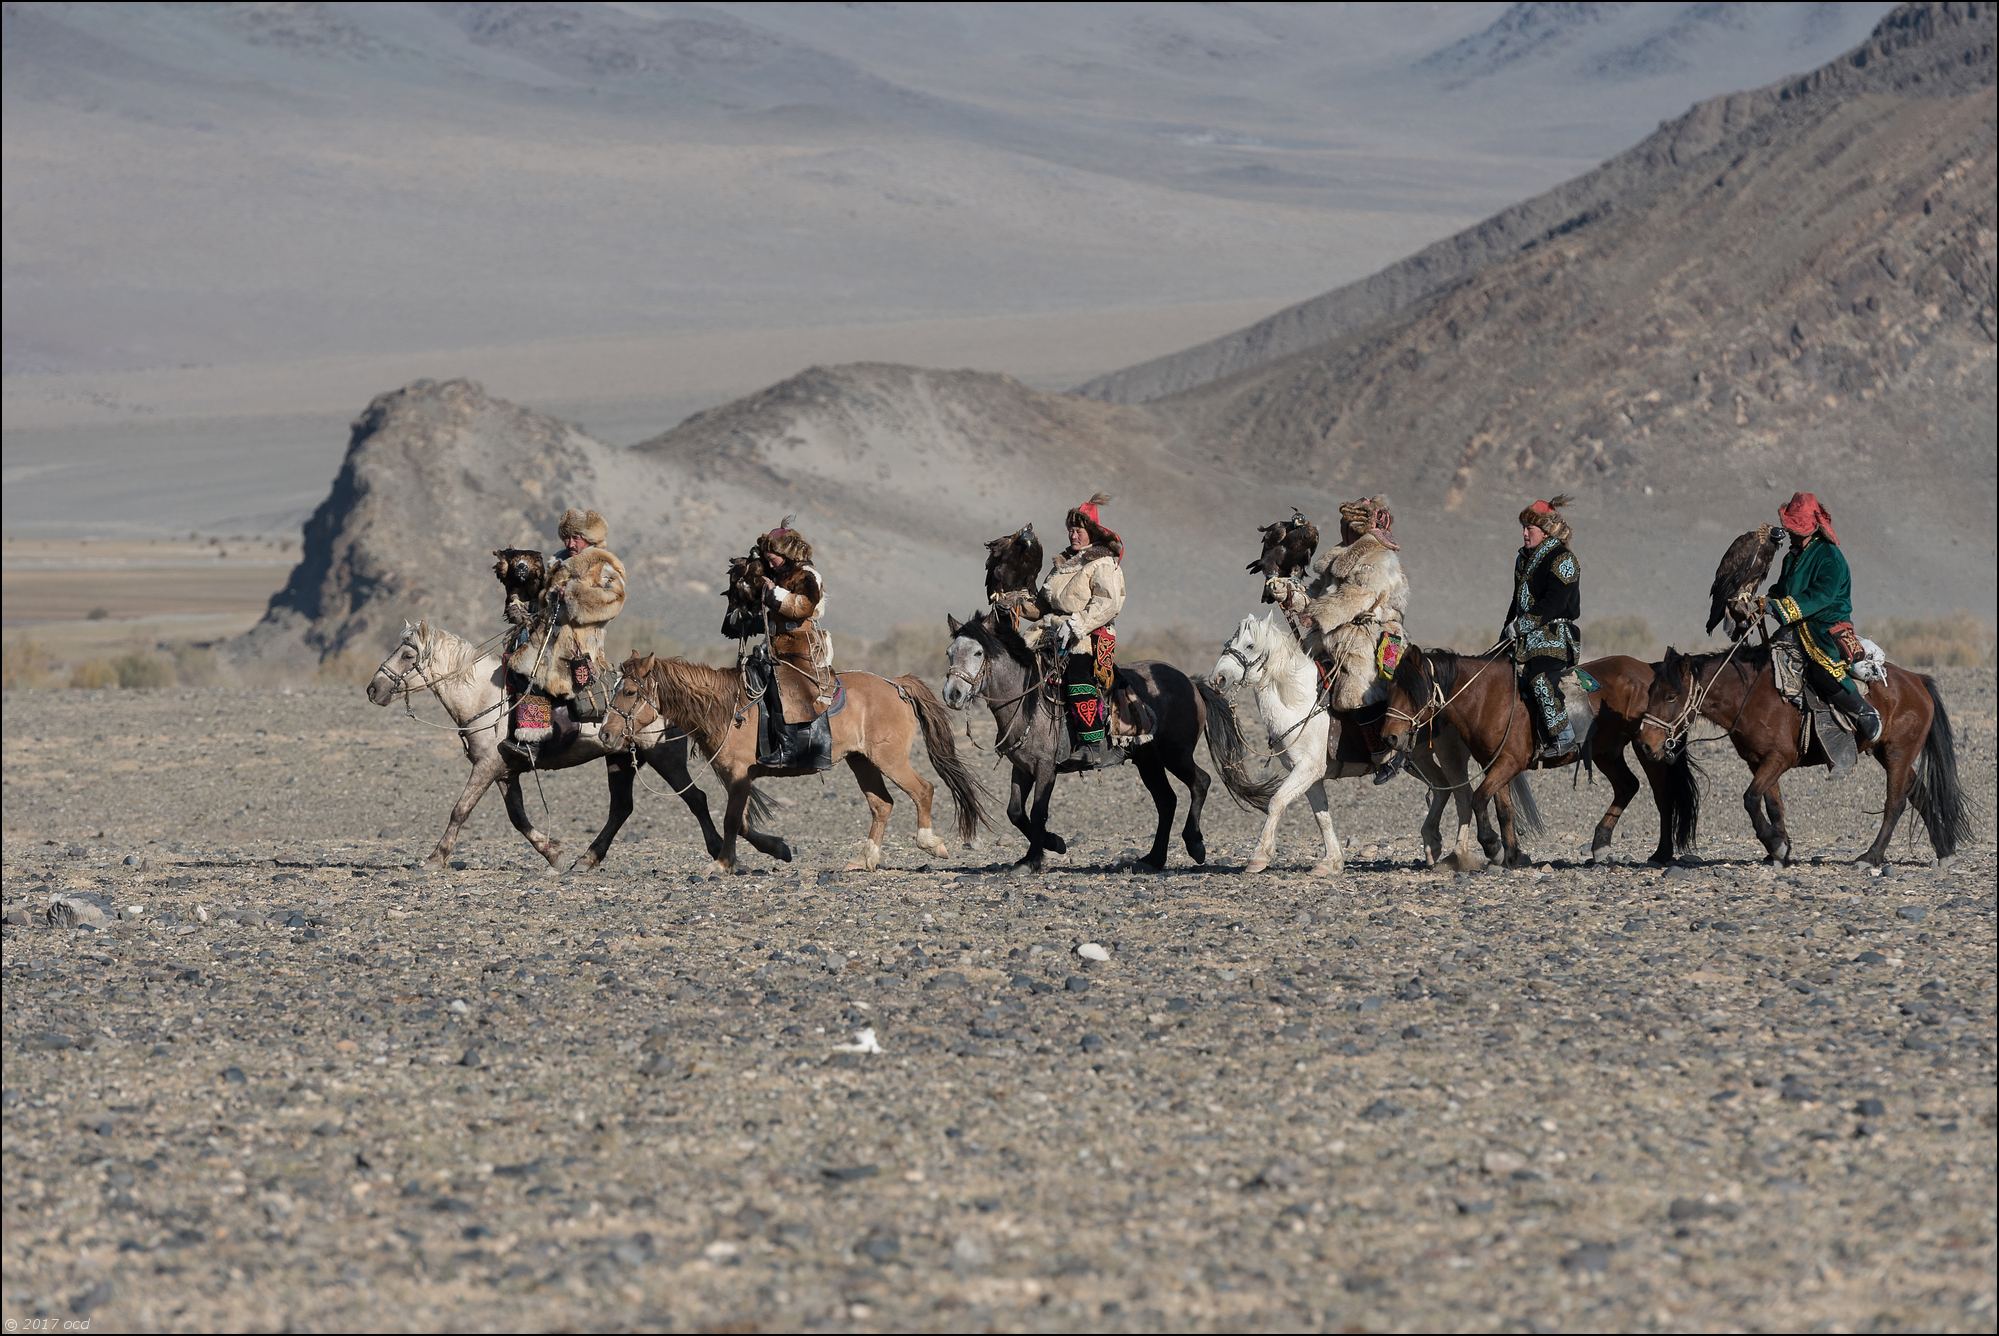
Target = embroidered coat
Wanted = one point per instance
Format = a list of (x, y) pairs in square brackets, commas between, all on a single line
[(1547, 599), (1814, 592)]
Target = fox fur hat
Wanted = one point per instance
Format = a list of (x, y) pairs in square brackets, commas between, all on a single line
[(1546, 516), (585, 524)]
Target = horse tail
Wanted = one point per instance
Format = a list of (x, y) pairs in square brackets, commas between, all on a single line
[(1680, 787), (957, 777), (1526, 812), (1937, 798), (1225, 744), (759, 810)]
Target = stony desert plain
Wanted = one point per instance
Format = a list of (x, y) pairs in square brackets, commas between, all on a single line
[(292, 1081)]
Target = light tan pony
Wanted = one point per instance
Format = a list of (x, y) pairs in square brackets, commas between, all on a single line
[(873, 733)]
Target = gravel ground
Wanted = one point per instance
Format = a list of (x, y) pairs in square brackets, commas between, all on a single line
[(293, 1082)]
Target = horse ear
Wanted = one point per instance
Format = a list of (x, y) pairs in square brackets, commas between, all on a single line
[(952, 622)]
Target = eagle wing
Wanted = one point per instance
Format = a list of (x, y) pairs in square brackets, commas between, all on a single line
[(1012, 561), (1299, 545)]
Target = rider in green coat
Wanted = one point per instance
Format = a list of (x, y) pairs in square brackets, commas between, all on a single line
[(1813, 598)]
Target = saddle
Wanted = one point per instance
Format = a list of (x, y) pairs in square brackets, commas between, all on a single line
[(1816, 719), (1130, 722), (782, 744)]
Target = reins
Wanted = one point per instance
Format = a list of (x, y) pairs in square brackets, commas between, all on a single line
[(1677, 728)]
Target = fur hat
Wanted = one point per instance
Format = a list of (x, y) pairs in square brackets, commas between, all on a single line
[(786, 542), (1088, 518), (585, 524), (1368, 514), (1545, 516)]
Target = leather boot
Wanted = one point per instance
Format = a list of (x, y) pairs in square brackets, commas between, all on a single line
[(1859, 712)]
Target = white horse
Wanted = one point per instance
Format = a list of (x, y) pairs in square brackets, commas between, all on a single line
[(471, 687), (1265, 655)]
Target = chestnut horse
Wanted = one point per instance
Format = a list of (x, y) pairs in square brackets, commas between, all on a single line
[(1476, 695), (873, 732), (1736, 690)]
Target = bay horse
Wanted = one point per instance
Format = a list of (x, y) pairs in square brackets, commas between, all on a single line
[(1737, 690), (471, 688), (1265, 656), (1476, 695), (987, 660), (873, 732)]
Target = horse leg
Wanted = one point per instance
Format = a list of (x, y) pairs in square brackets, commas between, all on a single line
[(1164, 801), (869, 776), (481, 779), (1496, 788), (1042, 786), (670, 763), (733, 814), (921, 791), (621, 773), (1335, 859), (1901, 768), (517, 812), (1302, 777), (1188, 771), (1623, 788), (1765, 803)]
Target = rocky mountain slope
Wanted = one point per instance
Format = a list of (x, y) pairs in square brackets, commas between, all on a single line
[(1803, 297), (1919, 51)]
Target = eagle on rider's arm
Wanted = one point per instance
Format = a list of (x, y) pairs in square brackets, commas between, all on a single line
[(1013, 562), (1288, 547), (1743, 569)]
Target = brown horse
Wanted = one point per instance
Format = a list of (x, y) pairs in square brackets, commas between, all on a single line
[(1476, 695), (1737, 691), (873, 732)]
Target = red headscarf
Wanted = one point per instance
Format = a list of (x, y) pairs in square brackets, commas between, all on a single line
[(1804, 516)]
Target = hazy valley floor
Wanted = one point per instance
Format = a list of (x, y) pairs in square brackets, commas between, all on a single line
[(313, 1088)]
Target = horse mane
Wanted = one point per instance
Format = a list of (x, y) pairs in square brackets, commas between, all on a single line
[(694, 697), (1752, 657), (448, 653), (1276, 640)]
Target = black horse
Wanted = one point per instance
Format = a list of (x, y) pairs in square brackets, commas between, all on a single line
[(988, 661)]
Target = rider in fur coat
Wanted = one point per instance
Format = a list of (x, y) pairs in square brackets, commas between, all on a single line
[(796, 594), (586, 590), (1360, 595)]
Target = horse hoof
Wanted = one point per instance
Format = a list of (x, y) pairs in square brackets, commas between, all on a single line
[(1256, 865), (1198, 851), (1055, 844), (1329, 869)]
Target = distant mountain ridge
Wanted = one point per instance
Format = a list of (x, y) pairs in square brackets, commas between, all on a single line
[(1948, 42)]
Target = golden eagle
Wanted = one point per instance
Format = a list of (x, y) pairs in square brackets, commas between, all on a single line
[(1013, 562), (523, 573), (1743, 569), (1288, 546)]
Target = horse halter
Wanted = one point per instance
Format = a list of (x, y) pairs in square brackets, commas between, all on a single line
[(1229, 651), (400, 685)]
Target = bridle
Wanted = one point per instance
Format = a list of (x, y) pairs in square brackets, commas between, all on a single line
[(976, 684), (1677, 728), (1229, 651)]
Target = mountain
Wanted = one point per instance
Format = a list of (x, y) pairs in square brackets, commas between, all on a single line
[(1799, 295), (1919, 51)]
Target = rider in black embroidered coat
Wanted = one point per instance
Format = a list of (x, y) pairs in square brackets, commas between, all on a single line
[(1541, 621)]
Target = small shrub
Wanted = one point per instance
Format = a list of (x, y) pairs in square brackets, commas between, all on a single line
[(196, 665), (1955, 640), (97, 614), (93, 674), (25, 663), (143, 670), (1619, 635)]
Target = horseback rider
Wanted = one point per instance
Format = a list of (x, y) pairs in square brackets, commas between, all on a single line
[(1073, 612), (1359, 597), (1541, 621), (559, 655), (796, 596), (1813, 598)]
